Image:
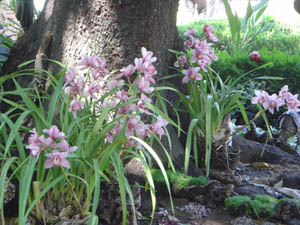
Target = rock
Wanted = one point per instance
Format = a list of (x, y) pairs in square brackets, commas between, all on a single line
[(251, 151), (135, 171), (286, 211), (289, 192), (249, 190), (291, 180)]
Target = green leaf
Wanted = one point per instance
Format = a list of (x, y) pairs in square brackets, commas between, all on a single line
[(96, 196), (158, 161), (54, 100), (121, 181), (30, 104), (24, 189), (259, 5), (208, 137), (3, 176), (43, 192), (188, 146), (248, 14), (14, 134)]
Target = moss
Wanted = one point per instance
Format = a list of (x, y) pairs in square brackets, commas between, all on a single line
[(263, 205), (198, 181), (157, 176), (180, 179), (238, 202), (260, 206)]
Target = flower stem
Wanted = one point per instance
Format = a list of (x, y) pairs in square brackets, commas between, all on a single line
[(73, 192)]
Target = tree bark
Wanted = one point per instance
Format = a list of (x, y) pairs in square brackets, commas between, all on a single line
[(112, 29)]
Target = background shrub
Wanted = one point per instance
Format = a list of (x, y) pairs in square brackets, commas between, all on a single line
[(280, 45), (284, 65), (280, 36)]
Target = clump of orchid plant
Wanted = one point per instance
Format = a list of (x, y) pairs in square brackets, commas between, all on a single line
[(208, 99), (107, 115), (132, 98)]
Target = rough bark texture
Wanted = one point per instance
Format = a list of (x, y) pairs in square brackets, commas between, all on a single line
[(113, 29)]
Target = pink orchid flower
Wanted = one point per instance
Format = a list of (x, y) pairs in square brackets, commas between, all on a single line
[(190, 32), (212, 37), (85, 62), (141, 104), (64, 146), (34, 137), (54, 133), (57, 159), (122, 95), (158, 126), (70, 76), (131, 126), (75, 107), (112, 133), (191, 74), (114, 84), (284, 92), (126, 109), (93, 89), (98, 63), (260, 98), (182, 60), (34, 149), (126, 71), (144, 85), (211, 54), (147, 55), (273, 101), (149, 72), (139, 64), (97, 74), (292, 102), (190, 42), (209, 31), (46, 142)]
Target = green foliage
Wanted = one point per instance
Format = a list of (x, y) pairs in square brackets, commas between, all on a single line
[(95, 160), (181, 180), (236, 202), (260, 206), (244, 31), (280, 36), (263, 205), (281, 65)]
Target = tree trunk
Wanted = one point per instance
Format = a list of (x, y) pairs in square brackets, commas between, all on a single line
[(113, 29)]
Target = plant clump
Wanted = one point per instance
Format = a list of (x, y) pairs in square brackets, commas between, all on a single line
[(261, 206), (238, 204), (180, 179)]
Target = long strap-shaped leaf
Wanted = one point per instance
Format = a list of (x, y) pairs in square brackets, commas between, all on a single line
[(3, 183), (189, 144), (208, 138)]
